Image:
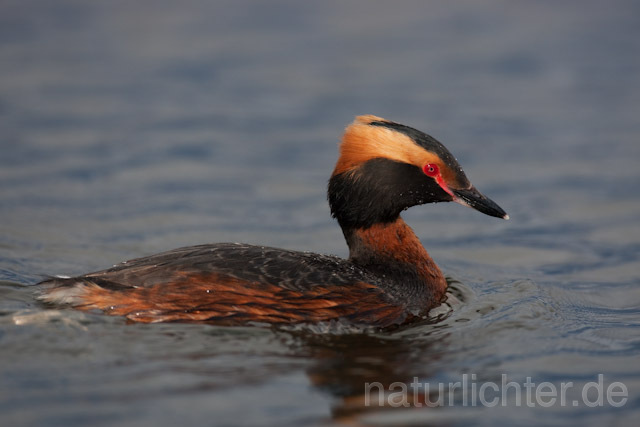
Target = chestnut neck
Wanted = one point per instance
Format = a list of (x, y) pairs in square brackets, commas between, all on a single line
[(393, 252)]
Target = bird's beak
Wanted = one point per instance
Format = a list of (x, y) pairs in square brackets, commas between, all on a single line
[(474, 199)]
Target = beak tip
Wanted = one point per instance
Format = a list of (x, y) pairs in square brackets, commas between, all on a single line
[(474, 199)]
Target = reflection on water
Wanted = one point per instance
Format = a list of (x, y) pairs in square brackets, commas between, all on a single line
[(116, 363), (129, 128)]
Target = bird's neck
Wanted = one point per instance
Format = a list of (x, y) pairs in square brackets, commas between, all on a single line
[(394, 251)]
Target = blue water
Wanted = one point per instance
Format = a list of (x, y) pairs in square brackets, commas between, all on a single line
[(129, 128)]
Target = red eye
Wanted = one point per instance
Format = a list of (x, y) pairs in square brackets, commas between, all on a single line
[(431, 170)]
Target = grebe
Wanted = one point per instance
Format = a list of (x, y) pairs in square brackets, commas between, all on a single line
[(389, 279)]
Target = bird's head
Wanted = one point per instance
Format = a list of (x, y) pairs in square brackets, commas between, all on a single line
[(385, 168)]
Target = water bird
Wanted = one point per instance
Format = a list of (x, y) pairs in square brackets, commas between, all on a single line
[(388, 279)]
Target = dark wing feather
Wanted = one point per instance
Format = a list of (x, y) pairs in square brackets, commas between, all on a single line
[(287, 269)]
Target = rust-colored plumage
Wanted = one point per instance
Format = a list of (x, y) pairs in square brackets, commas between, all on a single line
[(397, 241), (230, 301), (388, 279)]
